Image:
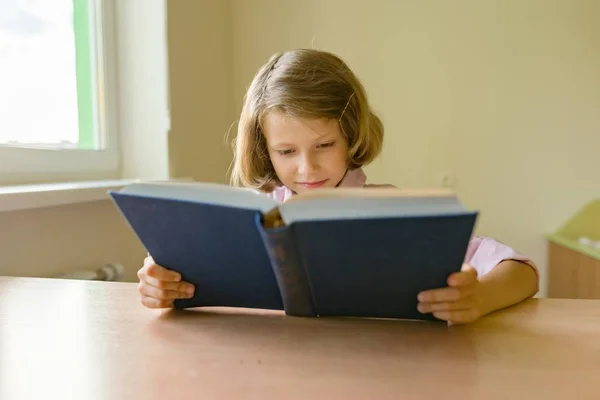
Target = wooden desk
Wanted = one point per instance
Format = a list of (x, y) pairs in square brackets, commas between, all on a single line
[(94, 340)]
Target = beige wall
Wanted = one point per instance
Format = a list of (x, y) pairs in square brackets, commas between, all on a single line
[(48, 242), (200, 63), (502, 95)]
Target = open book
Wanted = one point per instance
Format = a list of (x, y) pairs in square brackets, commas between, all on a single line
[(361, 252)]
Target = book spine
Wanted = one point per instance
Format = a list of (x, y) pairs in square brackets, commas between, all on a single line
[(289, 272)]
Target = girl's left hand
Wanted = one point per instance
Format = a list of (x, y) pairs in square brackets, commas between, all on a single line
[(459, 303)]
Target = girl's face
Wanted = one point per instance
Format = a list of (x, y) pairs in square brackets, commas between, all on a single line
[(306, 153)]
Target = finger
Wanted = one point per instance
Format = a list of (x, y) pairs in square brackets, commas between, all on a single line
[(160, 273), (458, 316), (184, 288), (463, 304), (446, 294), (151, 291), (156, 303), (467, 276), (148, 261)]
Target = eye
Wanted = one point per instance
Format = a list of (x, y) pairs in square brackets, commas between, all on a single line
[(284, 152), (325, 145)]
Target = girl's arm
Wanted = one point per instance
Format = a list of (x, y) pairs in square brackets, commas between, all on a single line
[(494, 276), (510, 282)]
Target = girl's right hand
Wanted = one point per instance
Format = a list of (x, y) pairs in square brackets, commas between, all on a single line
[(159, 286)]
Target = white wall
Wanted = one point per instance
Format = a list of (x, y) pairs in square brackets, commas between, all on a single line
[(50, 241), (143, 108), (503, 95)]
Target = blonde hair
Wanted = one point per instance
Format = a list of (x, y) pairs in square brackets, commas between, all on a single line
[(303, 83)]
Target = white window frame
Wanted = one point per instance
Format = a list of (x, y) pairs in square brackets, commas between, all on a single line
[(30, 164)]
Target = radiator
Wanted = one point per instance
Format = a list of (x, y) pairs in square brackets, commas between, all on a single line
[(107, 272)]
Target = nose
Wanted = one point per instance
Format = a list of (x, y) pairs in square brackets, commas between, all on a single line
[(307, 164)]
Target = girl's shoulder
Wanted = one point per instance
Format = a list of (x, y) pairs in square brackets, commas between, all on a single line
[(358, 178), (279, 194)]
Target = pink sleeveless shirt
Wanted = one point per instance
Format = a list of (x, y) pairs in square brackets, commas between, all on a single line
[(483, 253)]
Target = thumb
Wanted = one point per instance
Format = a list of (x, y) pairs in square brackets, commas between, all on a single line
[(466, 267), (469, 269), (466, 276)]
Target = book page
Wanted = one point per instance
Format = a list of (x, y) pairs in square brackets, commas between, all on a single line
[(376, 192), (371, 205), (202, 192)]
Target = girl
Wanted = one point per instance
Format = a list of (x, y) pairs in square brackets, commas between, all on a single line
[(306, 124)]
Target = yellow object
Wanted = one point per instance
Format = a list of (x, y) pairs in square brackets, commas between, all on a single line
[(581, 231)]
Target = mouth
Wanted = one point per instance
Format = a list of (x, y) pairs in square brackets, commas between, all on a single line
[(313, 184)]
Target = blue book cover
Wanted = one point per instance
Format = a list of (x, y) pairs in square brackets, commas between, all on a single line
[(338, 252)]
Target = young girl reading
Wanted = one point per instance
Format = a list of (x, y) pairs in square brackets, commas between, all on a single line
[(307, 124)]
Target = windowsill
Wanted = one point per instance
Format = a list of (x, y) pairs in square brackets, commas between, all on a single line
[(24, 197)]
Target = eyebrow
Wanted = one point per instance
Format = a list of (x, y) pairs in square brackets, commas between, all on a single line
[(328, 138)]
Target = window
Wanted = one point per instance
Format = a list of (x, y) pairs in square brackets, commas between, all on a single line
[(57, 88)]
